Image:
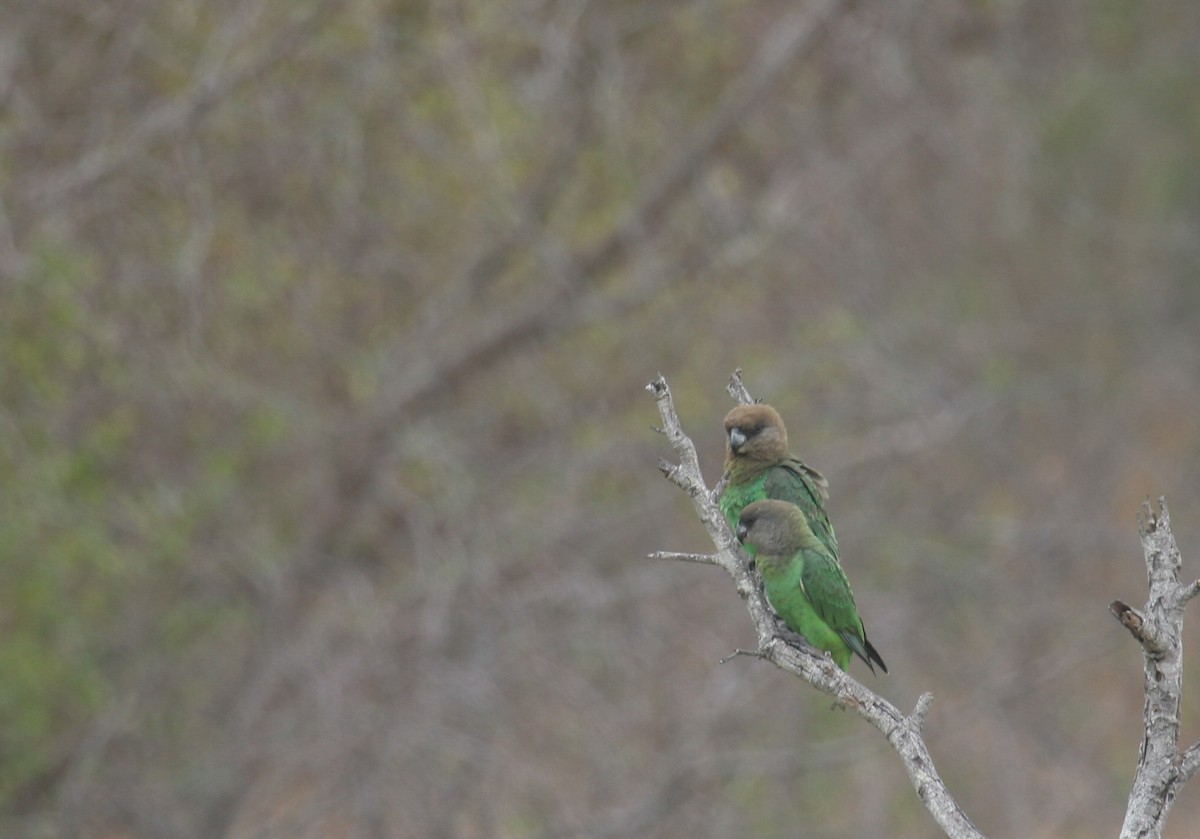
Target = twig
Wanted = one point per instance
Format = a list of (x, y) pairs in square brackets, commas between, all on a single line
[(213, 81), (738, 390), (1189, 763), (739, 651), (1161, 769), (902, 731), (704, 559)]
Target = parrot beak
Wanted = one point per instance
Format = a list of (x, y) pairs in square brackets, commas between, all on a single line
[(737, 439), (742, 530)]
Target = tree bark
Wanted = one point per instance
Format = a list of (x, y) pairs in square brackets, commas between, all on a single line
[(1161, 769), (816, 668)]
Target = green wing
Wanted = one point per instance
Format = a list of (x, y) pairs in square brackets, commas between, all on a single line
[(828, 590), (807, 488)]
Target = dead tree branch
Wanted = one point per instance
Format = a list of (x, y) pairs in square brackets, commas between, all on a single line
[(901, 730), (1161, 769), (217, 77)]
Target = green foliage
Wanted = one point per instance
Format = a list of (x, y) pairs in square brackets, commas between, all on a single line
[(60, 563), (93, 542), (951, 243)]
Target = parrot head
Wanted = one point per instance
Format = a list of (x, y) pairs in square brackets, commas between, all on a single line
[(755, 432)]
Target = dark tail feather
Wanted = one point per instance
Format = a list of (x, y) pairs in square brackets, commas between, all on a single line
[(873, 653), (865, 650)]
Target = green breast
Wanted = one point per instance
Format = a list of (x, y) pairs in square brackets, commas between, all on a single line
[(781, 581), (738, 496), (784, 484)]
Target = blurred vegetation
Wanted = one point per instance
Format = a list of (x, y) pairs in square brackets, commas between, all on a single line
[(325, 464)]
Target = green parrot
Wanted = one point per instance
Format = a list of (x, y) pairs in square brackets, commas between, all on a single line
[(760, 467), (805, 585)]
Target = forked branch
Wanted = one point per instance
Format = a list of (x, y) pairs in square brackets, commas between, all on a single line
[(901, 730), (1158, 628)]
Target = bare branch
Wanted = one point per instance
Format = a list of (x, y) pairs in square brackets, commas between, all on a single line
[(1161, 770), (739, 651), (816, 668), (738, 390), (795, 35), (422, 370), (1189, 762), (215, 80), (1135, 622), (921, 709), (1189, 591), (705, 559)]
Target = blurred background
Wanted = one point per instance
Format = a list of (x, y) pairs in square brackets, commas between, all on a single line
[(327, 475)]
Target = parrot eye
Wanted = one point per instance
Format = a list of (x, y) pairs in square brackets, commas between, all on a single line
[(751, 430)]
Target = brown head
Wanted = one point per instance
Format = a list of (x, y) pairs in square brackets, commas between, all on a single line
[(775, 528), (754, 437)]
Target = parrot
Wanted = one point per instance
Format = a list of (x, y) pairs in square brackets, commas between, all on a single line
[(759, 467), (803, 582)]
